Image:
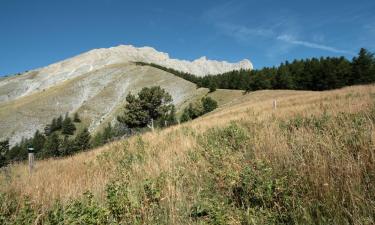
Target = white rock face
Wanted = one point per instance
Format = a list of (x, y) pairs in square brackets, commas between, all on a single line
[(96, 59)]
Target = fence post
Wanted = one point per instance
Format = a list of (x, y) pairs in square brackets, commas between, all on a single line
[(31, 159)]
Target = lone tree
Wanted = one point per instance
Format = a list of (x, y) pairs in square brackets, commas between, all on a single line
[(152, 103)]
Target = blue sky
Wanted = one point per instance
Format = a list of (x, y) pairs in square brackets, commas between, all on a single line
[(35, 33)]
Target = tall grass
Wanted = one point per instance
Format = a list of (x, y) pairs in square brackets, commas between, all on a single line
[(311, 161)]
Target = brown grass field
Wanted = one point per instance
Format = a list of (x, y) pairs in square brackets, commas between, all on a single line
[(321, 160)]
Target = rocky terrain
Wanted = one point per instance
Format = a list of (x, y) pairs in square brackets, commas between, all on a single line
[(94, 84)]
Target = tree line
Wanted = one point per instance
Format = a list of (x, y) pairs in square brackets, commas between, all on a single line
[(315, 74), (151, 107)]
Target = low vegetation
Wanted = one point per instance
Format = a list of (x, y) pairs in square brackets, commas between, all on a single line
[(197, 109), (310, 161), (315, 74)]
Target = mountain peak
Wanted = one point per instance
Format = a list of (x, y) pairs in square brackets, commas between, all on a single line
[(200, 67)]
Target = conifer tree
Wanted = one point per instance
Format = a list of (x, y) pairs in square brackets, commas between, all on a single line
[(51, 147), (59, 121), (82, 140), (363, 67), (68, 126), (67, 146), (151, 103), (38, 141)]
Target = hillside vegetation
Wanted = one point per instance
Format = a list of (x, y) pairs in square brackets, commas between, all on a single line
[(310, 161), (316, 74)]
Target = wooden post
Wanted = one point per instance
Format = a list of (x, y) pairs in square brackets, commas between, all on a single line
[(274, 103), (31, 159)]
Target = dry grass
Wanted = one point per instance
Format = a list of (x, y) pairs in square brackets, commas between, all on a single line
[(166, 150)]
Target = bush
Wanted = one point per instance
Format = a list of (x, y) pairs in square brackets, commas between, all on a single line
[(208, 104), (195, 110)]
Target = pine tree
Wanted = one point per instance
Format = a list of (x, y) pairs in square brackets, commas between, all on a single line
[(53, 126), (68, 126), (82, 140), (38, 141), (67, 146), (363, 68), (51, 147), (59, 121), (152, 103)]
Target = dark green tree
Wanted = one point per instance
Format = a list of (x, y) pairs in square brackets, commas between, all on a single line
[(51, 147), (68, 126), (208, 104), (59, 121), (212, 86), (151, 103), (53, 126), (363, 68), (82, 140), (38, 141), (67, 146), (192, 111), (185, 116)]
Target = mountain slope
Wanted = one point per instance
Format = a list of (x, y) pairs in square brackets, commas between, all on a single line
[(94, 84), (97, 96), (244, 162), (97, 59)]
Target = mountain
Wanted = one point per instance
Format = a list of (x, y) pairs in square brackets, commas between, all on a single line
[(94, 84)]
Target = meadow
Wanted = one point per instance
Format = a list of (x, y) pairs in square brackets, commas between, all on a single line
[(309, 161)]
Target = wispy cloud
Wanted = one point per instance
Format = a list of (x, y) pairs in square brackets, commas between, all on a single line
[(292, 40), (243, 33)]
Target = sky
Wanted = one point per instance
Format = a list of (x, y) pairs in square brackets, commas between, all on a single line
[(36, 33)]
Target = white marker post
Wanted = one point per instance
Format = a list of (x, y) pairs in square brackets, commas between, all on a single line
[(31, 159), (274, 103), (151, 126)]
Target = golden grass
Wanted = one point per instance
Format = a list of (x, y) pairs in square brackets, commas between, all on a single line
[(68, 178)]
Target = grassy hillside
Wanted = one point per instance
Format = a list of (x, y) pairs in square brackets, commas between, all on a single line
[(310, 161)]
